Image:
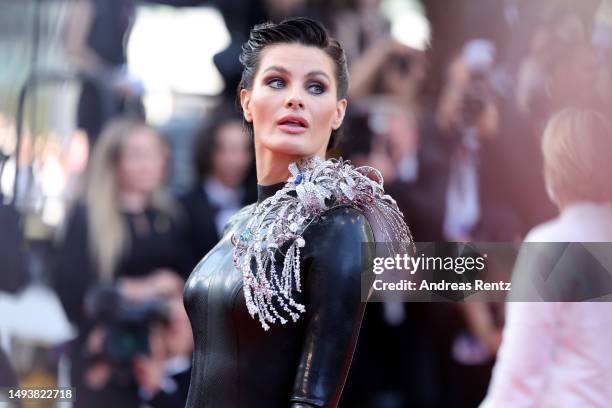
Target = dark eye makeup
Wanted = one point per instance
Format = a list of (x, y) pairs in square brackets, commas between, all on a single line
[(316, 88), (275, 82)]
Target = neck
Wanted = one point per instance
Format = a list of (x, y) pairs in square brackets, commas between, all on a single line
[(272, 167), (133, 201), (564, 205)]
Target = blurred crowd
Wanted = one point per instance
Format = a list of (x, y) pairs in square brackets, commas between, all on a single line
[(455, 129)]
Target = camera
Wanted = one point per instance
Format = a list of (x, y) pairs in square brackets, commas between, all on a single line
[(127, 324), (402, 63)]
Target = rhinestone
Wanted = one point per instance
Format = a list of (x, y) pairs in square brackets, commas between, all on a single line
[(298, 179)]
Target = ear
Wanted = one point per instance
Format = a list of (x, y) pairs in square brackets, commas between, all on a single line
[(245, 102), (340, 112)]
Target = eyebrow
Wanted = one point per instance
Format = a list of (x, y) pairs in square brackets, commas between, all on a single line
[(285, 71)]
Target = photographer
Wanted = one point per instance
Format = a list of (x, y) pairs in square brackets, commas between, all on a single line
[(383, 117), (164, 375), (388, 71), (127, 235), (462, 161), (461, 152), (143, 338)]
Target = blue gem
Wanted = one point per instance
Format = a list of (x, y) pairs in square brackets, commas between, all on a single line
[(245, 234), (298, 179)]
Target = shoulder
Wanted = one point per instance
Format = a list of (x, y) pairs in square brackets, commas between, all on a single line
[(335, 255), (339, 230), (345, 217), (346, 211), (545, 232), (238, 219)]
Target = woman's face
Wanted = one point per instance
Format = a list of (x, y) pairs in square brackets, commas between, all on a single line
[(293, 102), (232, 156), (142, 162)]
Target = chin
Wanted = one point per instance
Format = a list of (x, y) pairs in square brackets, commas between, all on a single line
[(294, 145), (293, 150)]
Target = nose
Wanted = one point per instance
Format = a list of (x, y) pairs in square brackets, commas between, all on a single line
[(294, 101)]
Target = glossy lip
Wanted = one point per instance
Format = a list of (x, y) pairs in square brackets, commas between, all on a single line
[(292, 129), (293, 118), (285, 127)]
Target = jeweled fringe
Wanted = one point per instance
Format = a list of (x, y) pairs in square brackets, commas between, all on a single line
[(281, 219)]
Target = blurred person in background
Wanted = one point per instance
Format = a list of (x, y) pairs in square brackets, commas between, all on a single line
[(390, 72), (129, 235), (458, 143), (562, 69), (465, 154), (223, 156), (240, 16), (358, 24), (557, 354), (463, 174), (96, 38), (385, 90), (387, 138), (560, 72), (163, 375)]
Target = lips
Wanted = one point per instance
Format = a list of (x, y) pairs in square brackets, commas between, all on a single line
[(293, 124)]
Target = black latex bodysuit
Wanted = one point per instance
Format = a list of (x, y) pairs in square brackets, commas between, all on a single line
[(297, 365)]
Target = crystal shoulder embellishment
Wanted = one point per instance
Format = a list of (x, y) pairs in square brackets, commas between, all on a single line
[(279, 222)]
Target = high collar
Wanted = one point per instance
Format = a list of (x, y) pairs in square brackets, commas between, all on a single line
[(264, 192), (304, 165)]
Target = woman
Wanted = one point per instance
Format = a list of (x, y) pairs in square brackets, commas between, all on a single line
[(96, 38), (127, 234), (557, 354), (276, 305)]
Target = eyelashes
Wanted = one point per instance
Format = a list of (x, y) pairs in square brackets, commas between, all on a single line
[(320, 88), (316, 88), (279, 83)]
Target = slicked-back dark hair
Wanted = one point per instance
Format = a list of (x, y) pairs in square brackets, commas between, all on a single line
[(299, 30)]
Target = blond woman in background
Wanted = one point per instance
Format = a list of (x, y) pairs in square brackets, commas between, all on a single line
[(126, 234), (557, 354)]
